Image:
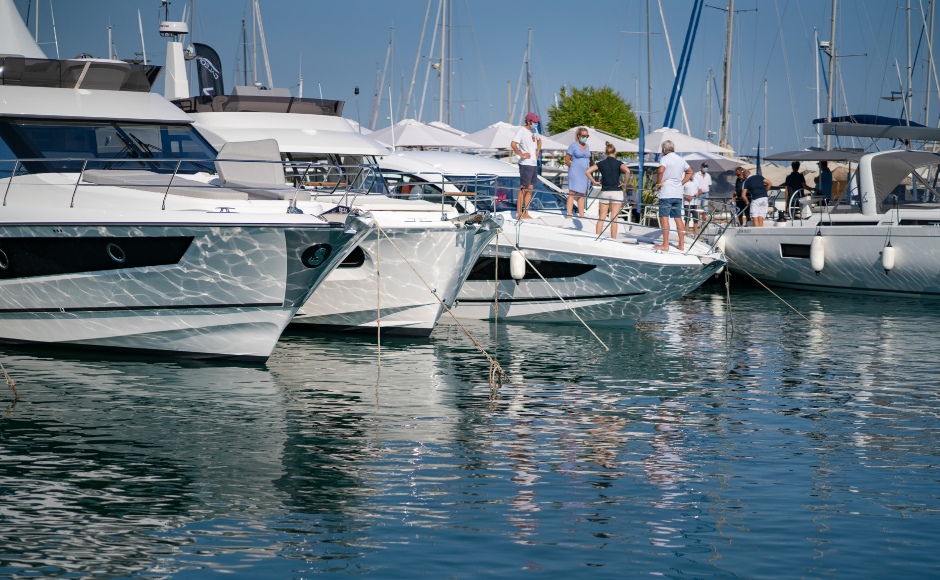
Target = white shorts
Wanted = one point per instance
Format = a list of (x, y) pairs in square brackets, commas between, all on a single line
[(759, 207), (610, 197)]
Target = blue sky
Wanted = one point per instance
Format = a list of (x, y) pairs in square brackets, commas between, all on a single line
[(343, 43)]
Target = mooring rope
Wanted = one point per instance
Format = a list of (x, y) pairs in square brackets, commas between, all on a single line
[(560, 297), (496, 298), (729, 319), (10, 382), (378, 301), (496, 371), (778, 297)]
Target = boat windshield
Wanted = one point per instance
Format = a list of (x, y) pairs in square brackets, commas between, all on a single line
[(66, 146), (331, 169)]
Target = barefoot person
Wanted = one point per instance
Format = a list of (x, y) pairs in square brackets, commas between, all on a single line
[(612, 192), (672, 175), (527, 144)]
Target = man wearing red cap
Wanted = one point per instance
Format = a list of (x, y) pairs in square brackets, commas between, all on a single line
[(527, 145)]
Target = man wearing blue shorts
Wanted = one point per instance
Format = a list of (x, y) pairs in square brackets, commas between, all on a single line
[(527, 144), (673, 173)]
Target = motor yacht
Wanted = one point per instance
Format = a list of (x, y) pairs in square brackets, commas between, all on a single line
[(565, 270), (94, 249), (398, 280)]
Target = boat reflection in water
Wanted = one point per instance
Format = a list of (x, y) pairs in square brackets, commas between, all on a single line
[(682, 439)]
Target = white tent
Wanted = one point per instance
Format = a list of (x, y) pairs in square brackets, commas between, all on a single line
[(355, 125), (447, 128), (683, 143), (412, 133), (597, 141), (500, 135)]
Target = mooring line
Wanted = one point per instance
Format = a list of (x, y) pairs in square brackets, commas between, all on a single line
[(560, 297), (10, 382), (378, 302), (496, 371), (818, 327), (729, 319)]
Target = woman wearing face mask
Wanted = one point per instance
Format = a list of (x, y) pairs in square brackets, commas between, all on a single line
[(578, 159)]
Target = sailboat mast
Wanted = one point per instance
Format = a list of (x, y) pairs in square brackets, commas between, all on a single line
[(649, 70), (726, 80), (440, 103), (832, 62), (910, 69), (264, 46), (254, 47)]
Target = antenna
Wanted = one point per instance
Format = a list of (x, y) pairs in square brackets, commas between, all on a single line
[(140, 26)]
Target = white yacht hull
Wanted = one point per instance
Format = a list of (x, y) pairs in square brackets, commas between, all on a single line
[(852, 258), (352, 299), (121, 281), (605, 282)]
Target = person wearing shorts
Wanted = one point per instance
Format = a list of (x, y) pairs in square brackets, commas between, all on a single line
[(672, 175), (756, 187), (527, 144), (610, 201)]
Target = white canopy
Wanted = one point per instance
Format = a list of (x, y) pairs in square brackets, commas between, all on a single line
[(500, 135), (14, 37), (447, 128), (684, 143), (412, 133), (597, 140)]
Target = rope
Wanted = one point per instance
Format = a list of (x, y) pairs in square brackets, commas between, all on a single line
[(10, 383), (496, 372), (560, 297), (729, 325), (378, 300), (818, 327), (496, 297)]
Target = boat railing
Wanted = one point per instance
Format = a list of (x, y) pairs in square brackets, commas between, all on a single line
[(480, 190), (248, 178)]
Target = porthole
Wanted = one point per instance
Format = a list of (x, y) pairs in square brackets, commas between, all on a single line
[(116, 253), (314, 256), (4, 261)]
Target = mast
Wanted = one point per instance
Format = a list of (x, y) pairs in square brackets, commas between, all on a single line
[(832, 61), (528, 74), (264, 46), (254, 47), (443, 69), (726, 80), (910, 69), (649, 70), (816, 64), (930, 10), (414, 74), (450, 47), (245, 52)]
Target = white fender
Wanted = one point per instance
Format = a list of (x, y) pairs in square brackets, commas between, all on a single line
[(888, 257), (817, 254), (720, 243), (517, 265)]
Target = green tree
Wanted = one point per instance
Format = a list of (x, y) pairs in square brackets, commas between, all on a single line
[(603, 109)]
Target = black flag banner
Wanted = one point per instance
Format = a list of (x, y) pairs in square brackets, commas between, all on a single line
[(210, 72)]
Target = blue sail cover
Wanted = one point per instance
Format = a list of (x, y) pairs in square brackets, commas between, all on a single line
[(870, 120)]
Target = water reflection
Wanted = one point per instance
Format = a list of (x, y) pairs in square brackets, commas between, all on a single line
[(685, 447)]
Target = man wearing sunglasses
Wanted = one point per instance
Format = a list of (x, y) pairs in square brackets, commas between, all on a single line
[(527, 144)]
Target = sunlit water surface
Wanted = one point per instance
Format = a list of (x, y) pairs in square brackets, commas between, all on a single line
[(788, 447)]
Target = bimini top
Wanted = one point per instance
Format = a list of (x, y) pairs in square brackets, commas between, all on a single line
[(448, 163), (889, 168)]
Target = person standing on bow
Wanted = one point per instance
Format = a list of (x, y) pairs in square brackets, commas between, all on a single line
[(578, 158), (703, 183), (755, 188), (527, 144), (612, 192), (672, 175), (740, 202)]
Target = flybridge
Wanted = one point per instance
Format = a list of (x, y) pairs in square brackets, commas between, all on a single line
[(109, 75)]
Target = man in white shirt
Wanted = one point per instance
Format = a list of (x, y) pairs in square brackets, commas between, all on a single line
[(673, 173), (527, 144), (703, 183)]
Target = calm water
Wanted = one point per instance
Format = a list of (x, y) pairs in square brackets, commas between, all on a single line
[(788, 449)]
